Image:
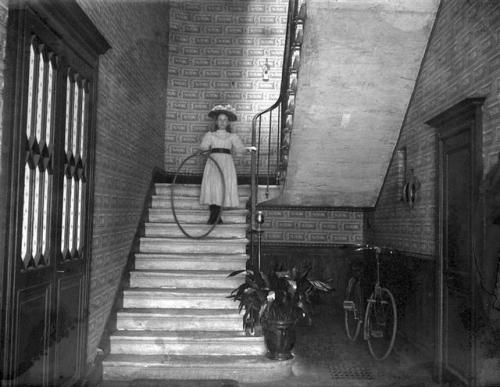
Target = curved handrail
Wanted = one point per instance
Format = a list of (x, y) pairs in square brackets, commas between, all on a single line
[(284, 106)]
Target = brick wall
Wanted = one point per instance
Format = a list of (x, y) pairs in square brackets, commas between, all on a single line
[(130, 138), (3, 33), (313, 226), (462, 60), (217, 50), (3, 169)]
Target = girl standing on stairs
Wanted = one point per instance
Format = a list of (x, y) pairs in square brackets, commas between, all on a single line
[(221, 143)]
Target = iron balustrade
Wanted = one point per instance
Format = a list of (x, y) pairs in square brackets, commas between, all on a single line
[(271, 128)]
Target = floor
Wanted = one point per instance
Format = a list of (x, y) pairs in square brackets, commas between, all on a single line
[(324, 357)]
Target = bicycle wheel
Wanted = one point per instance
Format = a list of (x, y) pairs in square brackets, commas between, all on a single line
[(353, 309), (381, 323)]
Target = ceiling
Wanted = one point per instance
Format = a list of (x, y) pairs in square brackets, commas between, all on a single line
[(360, 60)]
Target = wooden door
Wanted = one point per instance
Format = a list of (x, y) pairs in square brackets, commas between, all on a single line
[(459, 172), (458, 298), (50, 197)]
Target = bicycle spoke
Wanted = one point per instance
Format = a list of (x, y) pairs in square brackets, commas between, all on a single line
[(381, 324), (353, 309)]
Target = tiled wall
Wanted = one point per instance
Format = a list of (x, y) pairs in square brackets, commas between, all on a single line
[(217, 50), (130, 138), (462, 60), (314, 226)]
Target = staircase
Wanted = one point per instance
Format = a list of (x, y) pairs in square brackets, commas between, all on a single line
[(176, 321)]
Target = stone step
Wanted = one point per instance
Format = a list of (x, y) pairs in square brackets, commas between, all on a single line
[(244, 369), (186, 343), (164, 201), (173, 230), (202, 298), (179, 319), (184, 245), (195, 216), (191, 190), (184, 279), (264, 192), (214, 261)]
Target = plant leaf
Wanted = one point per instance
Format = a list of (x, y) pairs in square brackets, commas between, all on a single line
[(236, 272)]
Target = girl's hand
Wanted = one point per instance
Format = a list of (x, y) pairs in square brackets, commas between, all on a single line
[(251, 148)]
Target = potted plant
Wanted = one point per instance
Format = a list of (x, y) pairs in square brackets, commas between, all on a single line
[(275, 303)]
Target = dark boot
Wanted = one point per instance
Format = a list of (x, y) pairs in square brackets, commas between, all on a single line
[(213, 214), (217, 218)]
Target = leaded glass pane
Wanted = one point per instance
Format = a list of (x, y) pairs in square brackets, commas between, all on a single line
[(26, 219), (38, 170), (74, 178), (71, 215), (64, 216), (36, 202)]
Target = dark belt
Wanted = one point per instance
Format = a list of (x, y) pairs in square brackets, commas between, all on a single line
[(220, 150)]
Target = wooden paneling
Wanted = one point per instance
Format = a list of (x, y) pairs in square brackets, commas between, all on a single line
[(69, 330), (33, 335)]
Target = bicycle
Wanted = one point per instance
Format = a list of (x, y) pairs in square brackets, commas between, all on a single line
[(379, 311)]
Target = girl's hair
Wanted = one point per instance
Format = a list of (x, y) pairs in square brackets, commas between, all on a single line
[(215, 127)]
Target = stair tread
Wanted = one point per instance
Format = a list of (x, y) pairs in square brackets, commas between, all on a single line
[(196, 225), (191, 291), (198, 241), (209, 239), (180, 197), (192, 360), (194, 185), (202, 336), (190, 241), (208, 273), (181, 312), (194, 255), (235, 210)]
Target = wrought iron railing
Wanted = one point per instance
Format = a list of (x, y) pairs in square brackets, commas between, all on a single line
[(271, 128)]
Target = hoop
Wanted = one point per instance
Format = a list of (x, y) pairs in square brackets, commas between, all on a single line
[(172, 194)]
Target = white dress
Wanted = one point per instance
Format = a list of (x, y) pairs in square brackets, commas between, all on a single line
[(211, 184)]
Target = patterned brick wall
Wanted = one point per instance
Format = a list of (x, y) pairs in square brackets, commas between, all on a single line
[(462, 60), (313, 226), (130, 138), (3, 36), (3, 33), (217, 50)]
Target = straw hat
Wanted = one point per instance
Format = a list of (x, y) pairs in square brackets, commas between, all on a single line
[(228, 110)]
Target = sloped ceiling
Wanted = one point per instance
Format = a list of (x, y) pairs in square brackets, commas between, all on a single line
[(359, 64)]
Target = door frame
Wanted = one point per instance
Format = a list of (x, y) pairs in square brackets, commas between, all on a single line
[(463, 116), (77, 33)]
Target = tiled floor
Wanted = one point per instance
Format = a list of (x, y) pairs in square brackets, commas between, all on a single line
[(324, 357)]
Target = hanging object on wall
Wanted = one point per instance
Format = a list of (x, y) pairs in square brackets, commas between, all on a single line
[(401, 171), (410, 189), (265, 71)]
